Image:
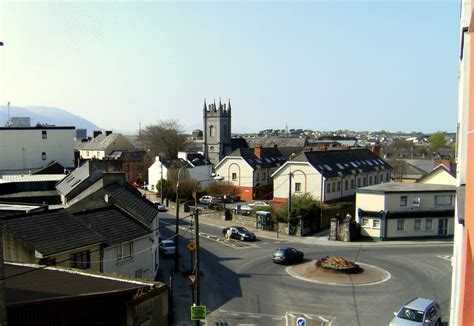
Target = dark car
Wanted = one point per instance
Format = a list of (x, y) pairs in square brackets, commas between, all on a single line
[(240, 233), (287, 256)]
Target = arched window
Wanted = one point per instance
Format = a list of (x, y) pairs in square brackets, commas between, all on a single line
[(211, 131)]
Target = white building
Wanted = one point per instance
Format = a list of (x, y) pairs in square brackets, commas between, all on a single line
[(23, 149), (102, 145)]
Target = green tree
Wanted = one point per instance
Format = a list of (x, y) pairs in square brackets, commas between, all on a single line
[(302, 207), (437, 140)]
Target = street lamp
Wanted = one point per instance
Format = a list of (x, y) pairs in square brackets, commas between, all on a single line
[(289, 193), (176, 240), (196, 228)]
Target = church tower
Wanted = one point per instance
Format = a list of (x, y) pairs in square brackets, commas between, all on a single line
[(217, 133)]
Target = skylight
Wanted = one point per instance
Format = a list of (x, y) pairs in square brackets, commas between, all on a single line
[(340, 166), (327, 167)]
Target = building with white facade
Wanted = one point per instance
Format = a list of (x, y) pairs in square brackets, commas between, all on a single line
[(25, 149)]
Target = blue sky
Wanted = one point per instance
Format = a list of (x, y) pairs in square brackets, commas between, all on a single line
[(322, 65)]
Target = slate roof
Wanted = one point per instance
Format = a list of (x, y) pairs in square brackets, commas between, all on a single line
[(52, 168), (333, 163), (115, 225), (29, 283), (101, 142), (270, 157), (279, 141), (238, 143), (127, 156), (130, 199), (200, 159), (51, 232)]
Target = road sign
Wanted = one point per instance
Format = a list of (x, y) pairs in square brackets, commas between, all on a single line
[(198, 312), (191, 246), (301, 322), (192, 279)]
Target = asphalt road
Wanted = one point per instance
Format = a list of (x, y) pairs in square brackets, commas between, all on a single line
[(241, 286)]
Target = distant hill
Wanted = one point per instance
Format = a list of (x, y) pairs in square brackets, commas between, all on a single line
[(47, 115)]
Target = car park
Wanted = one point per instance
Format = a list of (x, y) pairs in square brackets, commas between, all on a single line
[(287, 255), (240, 233), (419, 311), (167, 248)]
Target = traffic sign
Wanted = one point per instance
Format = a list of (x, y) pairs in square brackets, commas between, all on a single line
[(198, 312), (301, 322), (191, 246)]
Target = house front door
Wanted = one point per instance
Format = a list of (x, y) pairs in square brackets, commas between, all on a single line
[(443, 226)]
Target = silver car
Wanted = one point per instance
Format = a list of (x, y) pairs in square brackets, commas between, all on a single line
[(419, 311), (167, 248)]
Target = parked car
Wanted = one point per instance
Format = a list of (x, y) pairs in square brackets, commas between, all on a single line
[(258, 204), (240, 233), (161, 207), (206, 200), (243, 209), (419, 311), (287, 255), (167, 248)]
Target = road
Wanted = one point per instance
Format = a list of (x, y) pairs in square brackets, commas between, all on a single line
[(241, 286)]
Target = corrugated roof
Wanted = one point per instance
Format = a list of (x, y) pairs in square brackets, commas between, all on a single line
[(113, 224), (51, 232)]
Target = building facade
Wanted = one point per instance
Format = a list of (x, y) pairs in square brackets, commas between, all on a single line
[(24, 149)]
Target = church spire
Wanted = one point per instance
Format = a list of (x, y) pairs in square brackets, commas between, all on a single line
[(228, 106), (205, 105)]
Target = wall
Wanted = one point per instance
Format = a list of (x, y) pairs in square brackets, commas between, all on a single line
[(142, 258), (370, 202), (154, 174), (409, 231), (440, 177), (427, 201), (25, 146), (303, 173), (95, 257), (244, 180), (16, 250)]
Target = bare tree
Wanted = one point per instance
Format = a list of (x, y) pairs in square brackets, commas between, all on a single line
[(164, 139)]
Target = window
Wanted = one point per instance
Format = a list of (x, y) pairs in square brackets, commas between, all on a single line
[(365, 181), (258, 176), (400, 225), (416, 201), (98, 154), (263, 175), (44, 134), (338, 185), (211, 131), (87, 153), (376, 179), (333, 187), (417, 225), (81, 260), (297, 187), (443, 200), (370, 180), (358, 182), (125, 250), (234, 176), (48, 261), (43, 156), (429, 224), (346, 184), (403, 201), (139, 273), (365, 222), (376, 224), (387, 177), (352, 184)]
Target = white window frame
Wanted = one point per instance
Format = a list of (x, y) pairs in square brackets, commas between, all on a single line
[(122, 251), (297, 186), (416, 201), (415, 224), (234, 176), (364, 222), (439, 202), (430, 224), (375, 223), (402, 221), (403, 201)]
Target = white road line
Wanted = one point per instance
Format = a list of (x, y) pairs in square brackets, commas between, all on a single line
[(277, 318), (233, 314), (323, 319), (291, 315), (307, 316), (445, 257), (251, 314), (255, 316)]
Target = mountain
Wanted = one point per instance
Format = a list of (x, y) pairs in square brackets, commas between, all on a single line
[(47, 115)]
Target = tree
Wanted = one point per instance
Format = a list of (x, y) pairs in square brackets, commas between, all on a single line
[(302, 207), (222, 188), (437, 140), (164, 139)]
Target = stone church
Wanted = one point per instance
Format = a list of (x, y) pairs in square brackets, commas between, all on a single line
[(217, 131)]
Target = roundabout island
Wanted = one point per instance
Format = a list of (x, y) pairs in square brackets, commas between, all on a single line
[(338, 271)]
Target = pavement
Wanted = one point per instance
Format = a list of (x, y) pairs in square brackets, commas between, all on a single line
[(182, 287)]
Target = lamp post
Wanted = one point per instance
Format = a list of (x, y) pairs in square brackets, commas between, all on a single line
[(289, 193), (196, 235), (176, 240)]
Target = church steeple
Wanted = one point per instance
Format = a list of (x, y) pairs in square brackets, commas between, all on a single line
[(228, 106)]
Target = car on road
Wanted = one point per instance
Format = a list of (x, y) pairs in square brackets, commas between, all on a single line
[(287, 255), (206, 200), (161, 207), (419, 311), (167, 248), (258, 204), (240, 233)]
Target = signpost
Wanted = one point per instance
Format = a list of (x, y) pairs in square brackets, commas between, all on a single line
[(198, 312)]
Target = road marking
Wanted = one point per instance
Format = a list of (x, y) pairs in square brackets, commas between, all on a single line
[(445, 257), (233, 314), (291, 315), (255, 316), (277, 318), (307, 316), (238, 313), (323, 319)]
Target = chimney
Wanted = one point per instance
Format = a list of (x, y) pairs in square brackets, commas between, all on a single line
[(258, 151), (108, 132), (376, 150), (96, 133)]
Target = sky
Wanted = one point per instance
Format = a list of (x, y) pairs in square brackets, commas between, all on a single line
[(321, 65)]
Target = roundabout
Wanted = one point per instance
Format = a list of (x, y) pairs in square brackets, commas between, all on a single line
[(366, 275)]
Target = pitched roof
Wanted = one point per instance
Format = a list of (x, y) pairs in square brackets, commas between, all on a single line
[(197, 159), (269, 158), (130, 200), (31, 283), (115, 225), (332, 163), (52, 168), (52, 231), (102, 142)]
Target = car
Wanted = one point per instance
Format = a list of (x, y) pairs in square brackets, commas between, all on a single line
[(167, 248), (287, 255), (206, 200), (419, 311), (240, 233), (243, 209), (258, 204), (161, 207)]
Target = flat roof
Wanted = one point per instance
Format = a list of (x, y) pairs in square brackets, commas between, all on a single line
[(390, 187), (38, 128)]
